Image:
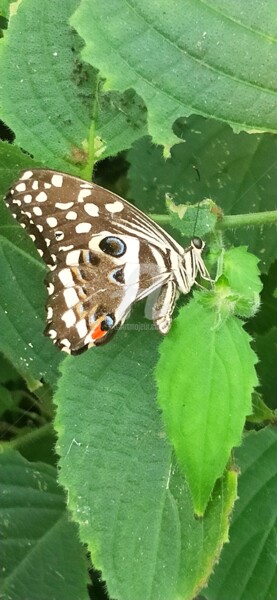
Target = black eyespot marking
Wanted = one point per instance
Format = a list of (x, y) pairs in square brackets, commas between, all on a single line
[(113, 246), (198, 243), (107, 323), (118, 275), (58, 235)]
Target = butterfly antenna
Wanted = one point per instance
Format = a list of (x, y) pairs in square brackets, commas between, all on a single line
[(196, 219), (198, 205)]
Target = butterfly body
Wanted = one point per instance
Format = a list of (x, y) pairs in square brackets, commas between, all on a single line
[(103, 254)]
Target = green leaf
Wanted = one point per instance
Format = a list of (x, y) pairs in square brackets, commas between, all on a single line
[(7, 371), (260, 412), (186, 58), (4, 8), (205, 377), (265, 319), (22, 306), (247, 568), (6, 400), (12, 161), (22, 314), (193, 220), (237, 171), (266, 348), (53, 101), (132, 504), (40, 552), (238, 290)]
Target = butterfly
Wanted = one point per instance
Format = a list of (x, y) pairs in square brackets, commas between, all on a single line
[(103, 254)]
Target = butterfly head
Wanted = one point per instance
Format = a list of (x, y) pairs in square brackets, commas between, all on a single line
[(197, 244)]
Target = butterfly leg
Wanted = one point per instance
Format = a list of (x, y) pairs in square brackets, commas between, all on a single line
[(164, 306)]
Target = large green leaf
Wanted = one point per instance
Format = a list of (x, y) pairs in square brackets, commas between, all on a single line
[(205, 378), (52, 101), (186, 57), (41, 556), (237, 171), (132, 504), (247, 568), (22, 306)]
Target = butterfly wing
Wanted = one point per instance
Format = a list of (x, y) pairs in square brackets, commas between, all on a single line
[(103, 253)]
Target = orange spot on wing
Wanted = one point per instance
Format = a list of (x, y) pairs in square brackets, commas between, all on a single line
[(98, 333)]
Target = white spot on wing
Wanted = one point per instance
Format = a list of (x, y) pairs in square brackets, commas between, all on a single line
[(41, 197), (69, 318), (59, 235), (47, 185), (71, 215), (65, 276), (65, 342), (64, 205), (49, 313), (52, 222), (66, 248), (57, 180), (50, 289), (83, 194), (35, 185), (91, 209), (81, 327), (65, 349), (26, 175), (52, 334), (20, 187), (83, 227), (37, 211), (114, 207), (27, 198), (73, 257), (71, 297)]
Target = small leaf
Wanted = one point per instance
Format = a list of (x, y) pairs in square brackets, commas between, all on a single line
[(193, 220), (247, 568), (241, 269), (36, 534), (205, 379), (260, 412)]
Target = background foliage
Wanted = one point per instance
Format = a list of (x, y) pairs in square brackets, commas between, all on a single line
[(151, 99)]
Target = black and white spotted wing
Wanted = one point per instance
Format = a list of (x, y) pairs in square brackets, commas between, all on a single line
[(103, 255)]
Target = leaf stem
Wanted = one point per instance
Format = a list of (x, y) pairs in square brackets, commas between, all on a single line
[(266, 217)]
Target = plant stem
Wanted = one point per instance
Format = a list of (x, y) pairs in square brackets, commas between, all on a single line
[(232, 221), (266, 217)]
